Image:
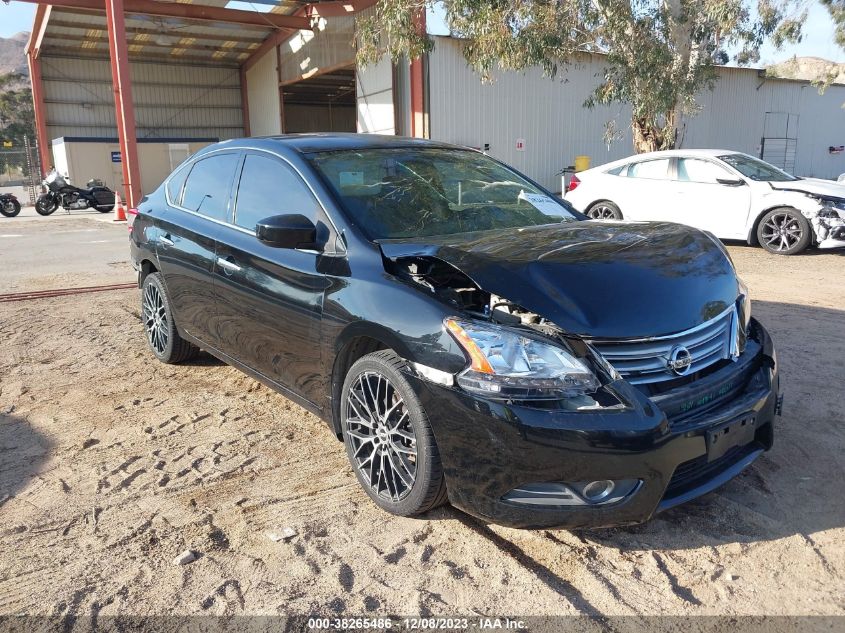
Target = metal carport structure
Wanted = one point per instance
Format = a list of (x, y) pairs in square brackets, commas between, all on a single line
[(131, 32)]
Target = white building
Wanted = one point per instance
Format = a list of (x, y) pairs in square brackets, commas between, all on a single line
[(536, 123)]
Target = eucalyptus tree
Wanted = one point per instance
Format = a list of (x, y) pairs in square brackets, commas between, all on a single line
[(658, 54)]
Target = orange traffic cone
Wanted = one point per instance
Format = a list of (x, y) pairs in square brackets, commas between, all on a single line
[(119, 212)]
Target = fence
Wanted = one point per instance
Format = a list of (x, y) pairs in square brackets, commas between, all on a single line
[(20, 166)]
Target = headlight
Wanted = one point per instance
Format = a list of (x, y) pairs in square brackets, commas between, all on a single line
[(507, 365), (744, 303), (839, 205)]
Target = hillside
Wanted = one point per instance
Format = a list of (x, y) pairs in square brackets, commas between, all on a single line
[(808, 69), (12, 57)]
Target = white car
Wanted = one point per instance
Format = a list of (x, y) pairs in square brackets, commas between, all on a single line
[(732, 195)]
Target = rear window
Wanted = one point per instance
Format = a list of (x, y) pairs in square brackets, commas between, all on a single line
[(653, 169), (207, 188), (174, 185)]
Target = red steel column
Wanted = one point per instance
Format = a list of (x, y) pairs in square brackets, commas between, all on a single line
[(40, 113), (418, 85), (124, 110)]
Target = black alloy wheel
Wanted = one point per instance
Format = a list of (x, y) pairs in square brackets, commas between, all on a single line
[(784, 232), (388, 437), (604, 210), (157, 317)]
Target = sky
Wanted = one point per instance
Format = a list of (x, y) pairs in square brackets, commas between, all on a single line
[(817, 41)]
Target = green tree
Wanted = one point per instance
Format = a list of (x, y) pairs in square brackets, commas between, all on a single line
[(658, 53), (17, 118), (837, 12)]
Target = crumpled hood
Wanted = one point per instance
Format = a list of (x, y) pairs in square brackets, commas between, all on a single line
[(815, 186), (594, 279)]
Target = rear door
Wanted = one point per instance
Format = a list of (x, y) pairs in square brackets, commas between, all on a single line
[(199, 196), (644, 192), (707, 204), (270, 300)]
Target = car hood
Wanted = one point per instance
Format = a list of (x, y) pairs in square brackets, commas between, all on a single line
[(814, 186), (594, 279)]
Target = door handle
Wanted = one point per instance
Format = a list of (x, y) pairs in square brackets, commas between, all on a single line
[(228, 265), (165, 239)]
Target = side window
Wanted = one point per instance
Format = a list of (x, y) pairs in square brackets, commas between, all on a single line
[(207, 187), (616, 171), (657, 169), (174, 185), (270, 187), (695, 170)]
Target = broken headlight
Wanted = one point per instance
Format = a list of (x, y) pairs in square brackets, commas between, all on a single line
[(836, 204), (508, 365), (744, 304)]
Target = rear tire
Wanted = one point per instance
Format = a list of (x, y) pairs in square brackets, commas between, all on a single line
[(157, 317), (105, 209), (45, 206), (784, 231), (389, 439), (604, 210), (11, 208)]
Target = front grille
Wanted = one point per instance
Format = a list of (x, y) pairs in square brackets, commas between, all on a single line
[(695, 472), (645, 361)]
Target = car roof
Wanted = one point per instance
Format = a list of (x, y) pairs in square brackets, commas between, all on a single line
[(668, 153), (685, 152), (330, 142)]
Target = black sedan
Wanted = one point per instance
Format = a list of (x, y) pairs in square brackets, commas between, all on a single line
[(470, 337)]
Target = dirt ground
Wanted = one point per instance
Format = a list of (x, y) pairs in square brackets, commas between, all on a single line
[(112, 464)]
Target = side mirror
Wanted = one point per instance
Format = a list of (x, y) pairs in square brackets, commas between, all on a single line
[(731, 182), (291, 230)]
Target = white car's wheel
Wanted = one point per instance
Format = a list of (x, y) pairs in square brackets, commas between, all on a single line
[(604, 210), (784, 231)]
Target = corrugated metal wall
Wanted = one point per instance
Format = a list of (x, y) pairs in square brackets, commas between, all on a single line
[(328, 47), (170, 100), (262, 82), (547, 114), (374, 92), (300, 118)]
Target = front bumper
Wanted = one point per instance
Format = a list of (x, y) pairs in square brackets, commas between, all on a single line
[(489, 448)]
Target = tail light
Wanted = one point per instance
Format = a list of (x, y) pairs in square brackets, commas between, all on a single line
[(131, 214), (573, 183)]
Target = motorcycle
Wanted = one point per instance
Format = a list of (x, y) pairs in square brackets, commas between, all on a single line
[(9, 205), (60, 192)]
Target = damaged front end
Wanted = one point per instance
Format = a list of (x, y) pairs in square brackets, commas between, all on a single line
[(829, 223), (514, 354)]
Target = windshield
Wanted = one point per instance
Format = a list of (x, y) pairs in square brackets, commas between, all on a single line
[(416, 192), (756, 169)]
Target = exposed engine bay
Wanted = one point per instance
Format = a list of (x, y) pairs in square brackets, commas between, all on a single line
[(454, 287)]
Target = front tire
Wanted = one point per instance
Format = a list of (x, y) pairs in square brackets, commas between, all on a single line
[(784, 231), (389, 439), (10, 208), (604, 210), (157, 316), (105, 209), (45, 206)]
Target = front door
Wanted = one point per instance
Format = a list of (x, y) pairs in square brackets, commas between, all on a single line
[(186, 234), (270, 300)]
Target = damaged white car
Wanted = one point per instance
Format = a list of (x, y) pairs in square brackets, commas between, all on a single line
[(730, 194)]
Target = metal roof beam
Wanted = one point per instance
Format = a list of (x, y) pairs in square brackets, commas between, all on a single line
[(193, 12), (139, 30), (155, 45)]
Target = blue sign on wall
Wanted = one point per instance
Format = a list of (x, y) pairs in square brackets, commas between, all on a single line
[(115, 157)]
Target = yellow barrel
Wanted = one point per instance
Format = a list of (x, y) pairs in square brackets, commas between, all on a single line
[(582, 163)]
